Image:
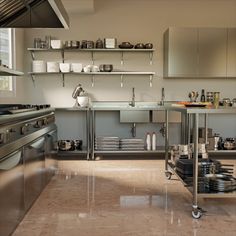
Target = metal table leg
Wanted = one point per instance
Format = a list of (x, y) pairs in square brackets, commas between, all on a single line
[(196, 212), (167, 172), (93, 134), (88, 132)]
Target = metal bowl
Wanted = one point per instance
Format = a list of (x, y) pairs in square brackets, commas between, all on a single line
[(106, 67)]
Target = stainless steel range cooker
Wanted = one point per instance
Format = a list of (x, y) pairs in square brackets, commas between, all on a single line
[(28, 150)]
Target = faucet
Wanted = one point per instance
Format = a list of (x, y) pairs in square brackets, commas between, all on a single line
[(132, 103), (162, 96)]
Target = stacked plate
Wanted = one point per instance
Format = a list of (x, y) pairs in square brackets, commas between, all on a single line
[(220, 183), (38, 66), (132, 144), (107, 143)]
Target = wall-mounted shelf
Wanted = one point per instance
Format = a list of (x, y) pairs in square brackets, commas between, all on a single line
[(4, 71), (92, 51), (121, 73)]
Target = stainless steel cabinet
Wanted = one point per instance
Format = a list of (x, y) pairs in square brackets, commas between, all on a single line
[(34, 170), (212, 44), (11, 192), (180, 52), (51, 154), (231, 53), (199, 52)]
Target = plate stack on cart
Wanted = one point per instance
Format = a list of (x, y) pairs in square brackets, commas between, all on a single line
[(107, 143), (132, 144)]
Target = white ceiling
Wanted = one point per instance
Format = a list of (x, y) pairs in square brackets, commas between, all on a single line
[(87, 6), (79, 6)]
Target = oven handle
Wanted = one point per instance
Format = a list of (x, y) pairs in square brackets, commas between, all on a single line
[(11, 160), (38, 144)]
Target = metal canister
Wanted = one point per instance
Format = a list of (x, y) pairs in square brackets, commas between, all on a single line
[(37, 43), (216, 99)]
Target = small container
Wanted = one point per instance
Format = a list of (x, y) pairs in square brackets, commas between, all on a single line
[(216, 99), (37, 42), (64, 67), (154, 141), (148, 141)]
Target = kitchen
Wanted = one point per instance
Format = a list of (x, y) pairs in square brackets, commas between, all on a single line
[(91, 20)]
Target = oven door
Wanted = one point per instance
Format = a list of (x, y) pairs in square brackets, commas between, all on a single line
[(11, 191), (51, 154), (34, 171)]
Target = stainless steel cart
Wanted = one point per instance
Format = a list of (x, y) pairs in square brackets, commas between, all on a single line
[(188, 115)]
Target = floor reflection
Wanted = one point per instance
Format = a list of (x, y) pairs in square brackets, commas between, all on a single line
[(122, 198)]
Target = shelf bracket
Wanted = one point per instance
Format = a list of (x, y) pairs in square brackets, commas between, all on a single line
[(150, 80), (92, 81), (92, 57), (63, 56), (33, 78), (63, 79), (122, 58), (121, 80), (151, 57), (32, 55)]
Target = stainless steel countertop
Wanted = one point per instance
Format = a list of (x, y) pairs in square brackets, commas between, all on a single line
[(24, 115)]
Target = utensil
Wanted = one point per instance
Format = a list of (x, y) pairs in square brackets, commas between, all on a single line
[(64, 67), (148, 45), (76, 67), (126, 45), (139, 46), (56, 44), (106, 67)]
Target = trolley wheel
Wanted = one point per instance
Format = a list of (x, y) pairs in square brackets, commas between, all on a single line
[(168, 174), (196, 213)]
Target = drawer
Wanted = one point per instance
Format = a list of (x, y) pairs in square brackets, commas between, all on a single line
[(159, 117), (134, 116)]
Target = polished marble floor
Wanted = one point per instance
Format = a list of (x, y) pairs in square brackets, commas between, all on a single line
[(122, 197)]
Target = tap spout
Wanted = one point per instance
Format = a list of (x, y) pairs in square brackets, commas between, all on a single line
[(132, 103)]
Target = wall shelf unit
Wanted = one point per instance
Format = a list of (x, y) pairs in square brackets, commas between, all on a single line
[(92, 51), (4, 71)]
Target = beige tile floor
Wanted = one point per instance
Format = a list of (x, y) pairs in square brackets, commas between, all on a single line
[(121, 197)]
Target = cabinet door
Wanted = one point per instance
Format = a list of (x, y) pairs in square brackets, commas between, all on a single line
[(212, 52), (231, 53), (181, 52)]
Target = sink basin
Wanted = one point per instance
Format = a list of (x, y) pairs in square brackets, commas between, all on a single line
[(125, 105)]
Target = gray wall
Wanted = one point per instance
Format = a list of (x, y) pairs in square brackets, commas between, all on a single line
[(134, 21)]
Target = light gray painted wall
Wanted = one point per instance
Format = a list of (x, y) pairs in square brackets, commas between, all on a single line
[(134, 21)]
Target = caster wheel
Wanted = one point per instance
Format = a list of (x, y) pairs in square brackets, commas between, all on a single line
[(168, 175), (196, 214)]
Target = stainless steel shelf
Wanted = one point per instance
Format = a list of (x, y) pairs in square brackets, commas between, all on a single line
[(76, 152), (73, 109), (91, 50), (127, 151), (95, 73), (4, 71)]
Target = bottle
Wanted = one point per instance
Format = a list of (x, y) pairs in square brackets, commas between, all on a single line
[(154, 141), (148, 141), (203, 98)]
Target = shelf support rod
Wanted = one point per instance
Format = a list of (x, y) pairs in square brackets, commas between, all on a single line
[(122, 58), (32, 55), (63, 79), (121, 80), (150, 80), (92, 80), (151, 57), (92, 56), (33, 79), (63, 56)]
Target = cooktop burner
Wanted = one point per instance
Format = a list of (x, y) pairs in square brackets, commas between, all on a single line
[(18, 108)]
